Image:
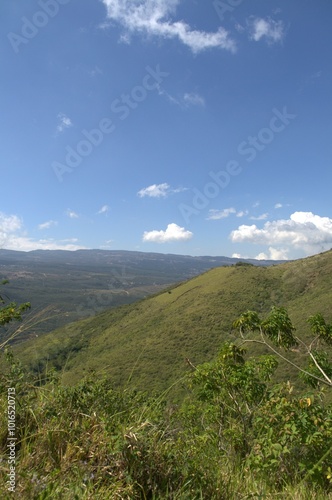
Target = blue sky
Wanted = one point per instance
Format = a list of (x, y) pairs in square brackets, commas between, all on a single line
[(191, 127)]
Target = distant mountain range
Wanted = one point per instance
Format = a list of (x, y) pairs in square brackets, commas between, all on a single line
[(72, 285)]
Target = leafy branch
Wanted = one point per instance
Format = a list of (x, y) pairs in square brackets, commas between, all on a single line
[(278, 329)]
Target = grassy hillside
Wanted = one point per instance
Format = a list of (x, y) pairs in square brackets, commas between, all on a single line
[(236, 428), (146, 344), (75, 285)]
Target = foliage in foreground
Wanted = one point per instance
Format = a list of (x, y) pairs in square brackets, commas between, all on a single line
[(10, 311), (231, 435), (235, 435)]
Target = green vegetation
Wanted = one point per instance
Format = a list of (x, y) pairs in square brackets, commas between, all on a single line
[(68, 286), (190, 394), (145, 345), (236, 434), (277, 329), (10, 311), (242, 263)]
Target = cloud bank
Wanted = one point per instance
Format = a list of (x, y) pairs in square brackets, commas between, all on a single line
[(303, 230), (13, 237)]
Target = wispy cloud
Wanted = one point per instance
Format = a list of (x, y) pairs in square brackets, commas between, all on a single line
[(224, 213), (104, 209), (220, 214), (268, 29), (155, 191), (48, 224), (159, 191), (193, 99), (260, 217), (71, 214), (172, 233), (178, 190), (162, 92), (153, 17), (184, 101), (64, 122), (242, 213)]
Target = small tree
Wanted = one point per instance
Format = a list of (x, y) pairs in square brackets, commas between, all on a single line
[(233, 388), (277, 331), (259, 426)]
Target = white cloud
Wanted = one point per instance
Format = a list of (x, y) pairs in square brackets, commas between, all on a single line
[(14, 237), (71, 214), (104, 209), (47, 225), (193, 99), (159, 191), (236, 256), (303, 231), (172, 233), (260, 217), (25, 244), (179, 190), (278, 205), (9, 224), (273, 31), (155, 191), (274, 254), (64, 122), (226, 212), (220, 214), (239, 256), (153, 17), (242, 213)]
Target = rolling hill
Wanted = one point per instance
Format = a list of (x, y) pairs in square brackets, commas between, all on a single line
[(74, 285), (146, 344)]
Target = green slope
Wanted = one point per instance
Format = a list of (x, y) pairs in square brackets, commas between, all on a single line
[(146, 344), (74, 285)]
